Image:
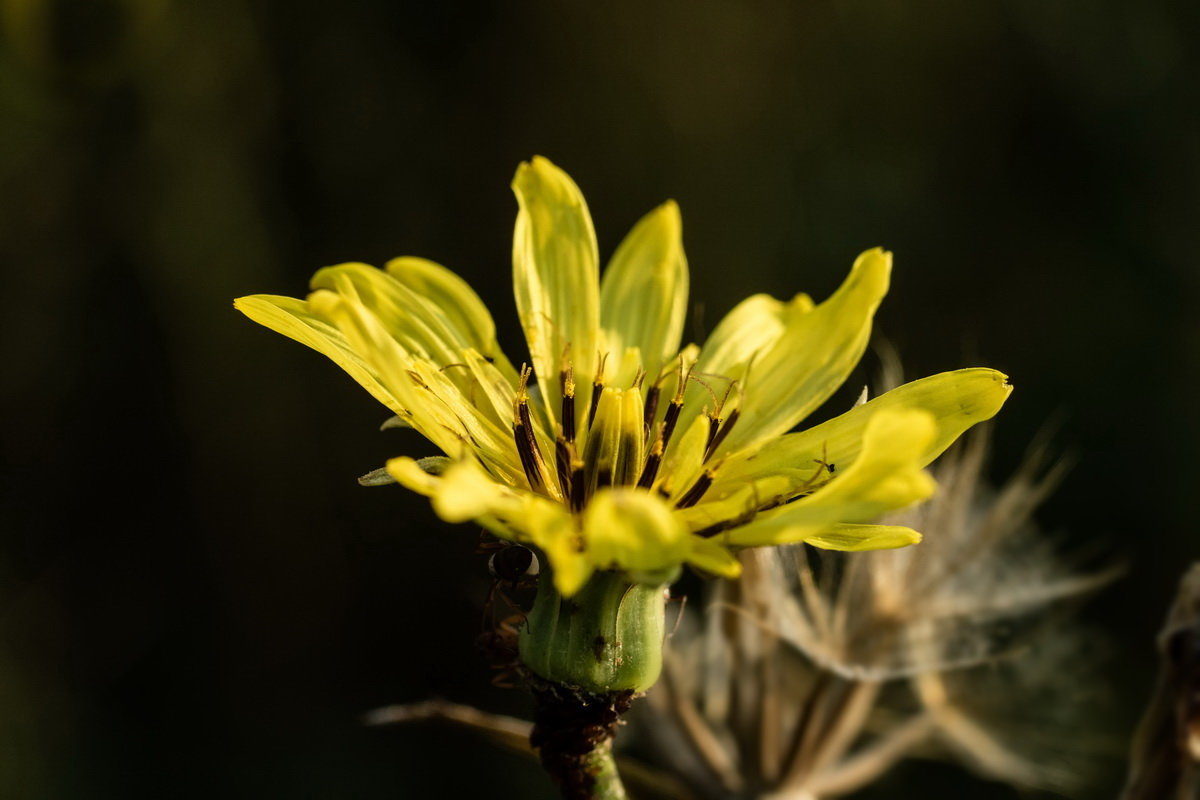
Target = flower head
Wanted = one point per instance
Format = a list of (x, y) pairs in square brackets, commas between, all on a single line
[(616, 449)]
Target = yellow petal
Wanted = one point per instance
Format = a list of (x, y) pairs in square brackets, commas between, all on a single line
[(957, 400), (864, 537), (713, 557), (392, 365), (613, 454), (643, 295), (556, 278), (418, 325), (293, 319), (812, 357), (557, 538), (455, 298), (887, 476), (684, 461), (743, 335), (753, 325), (633, 530), (461, 493)]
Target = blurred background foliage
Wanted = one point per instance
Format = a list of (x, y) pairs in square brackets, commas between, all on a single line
[(197, 600)]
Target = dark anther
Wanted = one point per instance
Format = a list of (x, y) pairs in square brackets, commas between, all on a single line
[(651, 408), (568, 404), (527, 446), (562, 462), (693, 495), (530, 457), (721, 434), (650, 471), (604, 478), (597, 388), (670, 420), (578, 487), (714, 425)]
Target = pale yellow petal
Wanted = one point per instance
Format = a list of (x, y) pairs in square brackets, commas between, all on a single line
[(556, 278), (752, 326), (886, 477), (392, 365), (812, 357), (461, 493), (456, 299), (293, 319), (556, 535), (683, 463), (713, 557), (957, 400), (852, 537), (417, 323), (635, 531), (747, 332), (643, 294)]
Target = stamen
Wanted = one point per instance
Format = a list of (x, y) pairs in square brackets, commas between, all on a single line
[(652, 395), (693, 495), (604, 478), (653, 462), (527, 445), (562, 461), (597, 389), (567, 378), (578, 486), (670, 419), (715, 441)]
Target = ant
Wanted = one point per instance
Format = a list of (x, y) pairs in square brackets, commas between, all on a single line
[(515, 568)]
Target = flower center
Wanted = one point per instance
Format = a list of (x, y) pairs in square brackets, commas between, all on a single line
[(622, 439)]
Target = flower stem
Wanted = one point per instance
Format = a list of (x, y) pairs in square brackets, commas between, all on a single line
[(573, 734)]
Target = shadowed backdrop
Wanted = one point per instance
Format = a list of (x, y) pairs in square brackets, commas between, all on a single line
[(198, 600)]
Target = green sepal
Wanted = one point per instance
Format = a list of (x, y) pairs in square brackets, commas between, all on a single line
[(606, 638)]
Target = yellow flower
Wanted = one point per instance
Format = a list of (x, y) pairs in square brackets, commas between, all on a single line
[(618, 450)]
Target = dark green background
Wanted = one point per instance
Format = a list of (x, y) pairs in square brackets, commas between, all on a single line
[(196, 599)]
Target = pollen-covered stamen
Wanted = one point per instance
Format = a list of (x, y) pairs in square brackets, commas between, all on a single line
[(527, 445), (693, 495), (567, 379)]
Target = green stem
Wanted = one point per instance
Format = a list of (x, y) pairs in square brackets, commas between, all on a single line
[(573, 733), (603, 767)]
